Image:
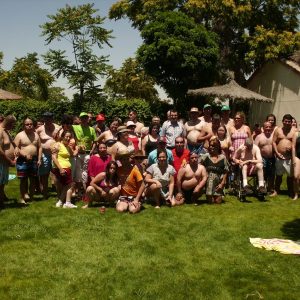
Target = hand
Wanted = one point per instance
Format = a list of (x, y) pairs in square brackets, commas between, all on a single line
[(220, 187), (158, 184), (179, 196), (28, 157), (196, 190), (281, 156), (62, 172), (103, 194), (12, 162), (39, 163), (17, 152)]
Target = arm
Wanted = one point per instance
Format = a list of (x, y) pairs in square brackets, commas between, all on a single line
[(149, 179), (294, 148), (141, 187), (257, 156), (274, 144), (2, 153), (171, 188), (143, 144), (95, 183), (202, 183), (40, 151), (55, 160)]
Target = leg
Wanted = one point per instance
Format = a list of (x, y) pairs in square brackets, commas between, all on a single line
[(113, 194), (296, 178), (217, 199), (23, 189), (278, 181), (134, 207), (122, 206), (44, 185), (154, 192), (290, 186), (2, 196), (32, 181)]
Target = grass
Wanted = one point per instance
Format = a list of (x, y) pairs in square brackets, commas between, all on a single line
[(185, 252)]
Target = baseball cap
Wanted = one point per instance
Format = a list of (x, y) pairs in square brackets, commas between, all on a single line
[(225, 107), (83, 114), (206, 106), (100, 117), (194, 109)]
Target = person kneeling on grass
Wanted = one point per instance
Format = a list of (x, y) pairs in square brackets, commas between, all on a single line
[(105, 186), (132, 185), (160, 180), (61, 154), (191, 180), (248, 157)]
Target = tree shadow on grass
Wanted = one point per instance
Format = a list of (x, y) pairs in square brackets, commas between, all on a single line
[(292, 229)]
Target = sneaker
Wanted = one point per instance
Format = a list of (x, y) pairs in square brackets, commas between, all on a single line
[(262, 190), (23, 202), (59, 204), (248, 190), (69, 205)]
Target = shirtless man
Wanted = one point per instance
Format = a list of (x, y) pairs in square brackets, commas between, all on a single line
[(29, 154), (190, 180), (206, 118), (225, 117), (248, 157), (282, 146), (7, 157), (196, 133), (47, 134), (264, 142)]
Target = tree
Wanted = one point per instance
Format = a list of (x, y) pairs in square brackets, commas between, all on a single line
[(82, 28), (178, 53), (27, 78), (250, 31), (131, 81)]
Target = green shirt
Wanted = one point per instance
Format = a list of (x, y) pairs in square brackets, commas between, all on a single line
[(85, 136)]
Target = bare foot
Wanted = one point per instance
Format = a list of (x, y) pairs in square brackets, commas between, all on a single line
[(157, 206), (85, 206), (295, 197), (274, 194)]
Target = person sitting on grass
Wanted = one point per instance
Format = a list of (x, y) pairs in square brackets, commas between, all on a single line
[(132, 185), (105, 186), (191, 180), (217, 168), (160, 180), (61, 157), (248, 157)]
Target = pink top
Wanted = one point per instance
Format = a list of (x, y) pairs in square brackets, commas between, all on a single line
[(135, 142), (238, 138), (97, 165)]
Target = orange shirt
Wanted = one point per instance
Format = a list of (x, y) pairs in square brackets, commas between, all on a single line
[(131, 185)]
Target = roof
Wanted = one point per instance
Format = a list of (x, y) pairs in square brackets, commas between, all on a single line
[(231, 90), (5, 95)]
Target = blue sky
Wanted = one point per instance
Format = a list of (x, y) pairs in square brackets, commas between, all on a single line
[(20, 32)]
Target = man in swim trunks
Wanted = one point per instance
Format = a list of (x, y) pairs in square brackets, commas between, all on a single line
[(264, 141), (191, 180), (29, 155), (7, 157), (282, 146), (47, 134), (248, 157), (196, 132)]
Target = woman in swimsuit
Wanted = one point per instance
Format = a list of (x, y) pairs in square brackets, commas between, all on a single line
[(132, 136), (123, 145), (105, 186), (149, 142), (224, 140), (109, 137), (238, 132)]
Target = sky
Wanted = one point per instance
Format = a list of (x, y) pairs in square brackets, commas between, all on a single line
[(20, 33)]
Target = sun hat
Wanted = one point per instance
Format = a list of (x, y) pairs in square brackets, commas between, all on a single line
[(122, 129)]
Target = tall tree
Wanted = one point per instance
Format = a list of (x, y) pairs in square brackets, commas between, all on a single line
[(131, 81), (251, 31), (82, 28), (27, 78), (178, 53)]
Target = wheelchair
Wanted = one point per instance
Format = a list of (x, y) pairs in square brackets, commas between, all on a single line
[(236, 185)]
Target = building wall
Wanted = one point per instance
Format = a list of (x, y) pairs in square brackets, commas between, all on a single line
[(280, 82)]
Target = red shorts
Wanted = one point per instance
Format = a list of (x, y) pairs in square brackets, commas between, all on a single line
[(63, 179)]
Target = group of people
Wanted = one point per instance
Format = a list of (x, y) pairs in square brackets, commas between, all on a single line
[(127, 163)]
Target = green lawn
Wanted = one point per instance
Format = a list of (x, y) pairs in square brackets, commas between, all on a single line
[(185, 252)]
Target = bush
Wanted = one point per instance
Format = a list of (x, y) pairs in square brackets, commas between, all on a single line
[(33, 109)]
